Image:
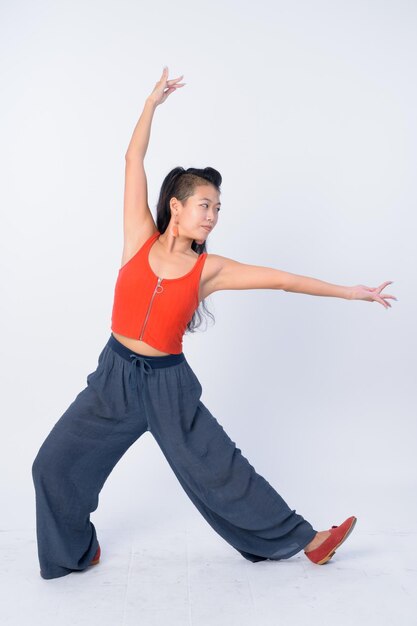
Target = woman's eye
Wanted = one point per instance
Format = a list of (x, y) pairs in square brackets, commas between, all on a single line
[(218, 208)]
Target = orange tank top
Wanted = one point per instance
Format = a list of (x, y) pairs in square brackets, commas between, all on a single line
[(152, 308)]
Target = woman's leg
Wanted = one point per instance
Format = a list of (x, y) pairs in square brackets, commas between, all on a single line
[(74, 461), (236, 501)]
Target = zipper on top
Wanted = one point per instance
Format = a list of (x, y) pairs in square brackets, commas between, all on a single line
[(158, 289)]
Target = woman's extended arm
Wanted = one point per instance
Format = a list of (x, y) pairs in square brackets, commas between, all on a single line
[(230, 274)]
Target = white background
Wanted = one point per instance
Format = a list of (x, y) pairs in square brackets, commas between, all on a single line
[(308, 111)]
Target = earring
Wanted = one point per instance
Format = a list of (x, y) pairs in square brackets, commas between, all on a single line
[(174, 229)]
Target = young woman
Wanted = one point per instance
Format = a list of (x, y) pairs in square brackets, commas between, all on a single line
[(143, 381)]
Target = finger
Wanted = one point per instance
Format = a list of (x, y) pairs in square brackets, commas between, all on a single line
[(386, 305), (174, 80), (168, 92), (388, 282), (174, 88), (164, 75), (392, 297)]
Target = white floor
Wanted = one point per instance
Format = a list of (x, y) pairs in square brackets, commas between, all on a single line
[(188, 575)]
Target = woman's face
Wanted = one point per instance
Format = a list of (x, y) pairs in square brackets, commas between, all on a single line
[(200, 212)]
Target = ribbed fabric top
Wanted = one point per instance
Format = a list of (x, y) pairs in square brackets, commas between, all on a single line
[(153, 308)]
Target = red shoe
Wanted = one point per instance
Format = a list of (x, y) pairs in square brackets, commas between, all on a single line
[(325, 551), (96, 557)]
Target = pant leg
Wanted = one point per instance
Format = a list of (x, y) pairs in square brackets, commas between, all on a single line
[(74, 461), (239, 504)]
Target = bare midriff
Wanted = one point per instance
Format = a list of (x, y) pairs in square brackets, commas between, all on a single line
[(139, 346)]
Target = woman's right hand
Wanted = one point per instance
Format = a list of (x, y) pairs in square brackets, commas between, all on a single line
[(159, 95)]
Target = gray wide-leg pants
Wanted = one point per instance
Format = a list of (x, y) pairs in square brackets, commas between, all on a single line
[(127, 395)]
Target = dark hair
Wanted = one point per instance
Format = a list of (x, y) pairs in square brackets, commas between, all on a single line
[(181, 183)]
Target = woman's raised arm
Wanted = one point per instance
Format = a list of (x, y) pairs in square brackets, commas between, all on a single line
[(138, 222)]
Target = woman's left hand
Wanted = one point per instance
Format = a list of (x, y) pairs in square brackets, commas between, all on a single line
[(164, 87), (372, 294)]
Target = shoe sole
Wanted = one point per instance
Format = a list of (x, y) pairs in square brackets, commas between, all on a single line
[(329, 556), (92, 563)]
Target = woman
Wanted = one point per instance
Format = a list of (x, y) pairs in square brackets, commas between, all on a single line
[(143, 382)]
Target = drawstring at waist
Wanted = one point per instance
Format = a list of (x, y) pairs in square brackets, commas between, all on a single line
[(145, 368), (146, 364)]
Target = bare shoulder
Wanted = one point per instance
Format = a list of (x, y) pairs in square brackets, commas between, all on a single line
[(211, 269), (213, 262), (212, 265)]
